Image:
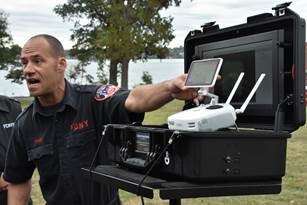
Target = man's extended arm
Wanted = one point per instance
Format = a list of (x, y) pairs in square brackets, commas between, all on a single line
[(150, 97), (19, 194)]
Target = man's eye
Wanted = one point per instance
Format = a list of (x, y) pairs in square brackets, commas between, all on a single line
[(38, 61), (24, 63)]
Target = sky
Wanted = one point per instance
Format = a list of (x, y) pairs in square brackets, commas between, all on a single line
[(31, 17)]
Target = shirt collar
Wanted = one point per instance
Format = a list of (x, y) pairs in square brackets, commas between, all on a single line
[(70, 99)]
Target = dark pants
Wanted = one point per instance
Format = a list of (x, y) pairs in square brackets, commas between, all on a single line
[(3, 198)]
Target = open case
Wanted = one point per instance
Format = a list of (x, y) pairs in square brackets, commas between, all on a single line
[(256, 152), (274, 45)]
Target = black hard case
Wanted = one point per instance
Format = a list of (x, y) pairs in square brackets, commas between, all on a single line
[(258, 153), (213, 156), (289, 72)]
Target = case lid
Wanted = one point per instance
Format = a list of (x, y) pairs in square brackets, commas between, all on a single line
[(267, 43)]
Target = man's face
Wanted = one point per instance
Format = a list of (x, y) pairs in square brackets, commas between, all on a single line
[(42, 70)]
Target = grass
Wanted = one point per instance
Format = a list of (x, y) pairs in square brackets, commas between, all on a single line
[(24, 101), (294, 189)]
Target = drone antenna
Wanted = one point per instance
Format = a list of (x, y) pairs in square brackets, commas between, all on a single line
[(249, 97), (235, 87)]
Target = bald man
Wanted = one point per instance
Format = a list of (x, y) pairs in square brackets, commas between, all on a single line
[(58, 132)]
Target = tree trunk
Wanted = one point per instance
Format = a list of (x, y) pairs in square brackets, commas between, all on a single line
[(124, 76), (113, 72)]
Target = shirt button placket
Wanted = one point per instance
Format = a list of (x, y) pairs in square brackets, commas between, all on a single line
[(59, 136)]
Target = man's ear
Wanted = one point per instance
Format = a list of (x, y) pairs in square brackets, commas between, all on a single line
[(62, 64)]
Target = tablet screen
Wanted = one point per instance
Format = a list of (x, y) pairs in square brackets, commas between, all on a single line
[(203, 73)]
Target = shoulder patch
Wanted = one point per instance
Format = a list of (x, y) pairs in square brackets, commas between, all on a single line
[(105, 91)]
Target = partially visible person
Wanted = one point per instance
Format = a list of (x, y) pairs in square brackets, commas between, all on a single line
[(59, 132), (9, 110)]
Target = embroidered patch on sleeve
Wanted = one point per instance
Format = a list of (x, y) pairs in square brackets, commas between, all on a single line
[(105, 91)]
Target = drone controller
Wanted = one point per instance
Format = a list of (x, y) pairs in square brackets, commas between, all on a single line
[(213, 116)]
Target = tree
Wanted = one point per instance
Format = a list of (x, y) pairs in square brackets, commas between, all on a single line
[(146, 78), (119, 31), (9, 52)]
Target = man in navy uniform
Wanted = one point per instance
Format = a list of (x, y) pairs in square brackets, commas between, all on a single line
[(9, 110), (59, 132)]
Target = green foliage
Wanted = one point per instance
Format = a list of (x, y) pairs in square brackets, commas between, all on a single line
[(9, 52), (75, 72), (16, 75), (101, 74), (146, 78), (176, 52), (118, 30)]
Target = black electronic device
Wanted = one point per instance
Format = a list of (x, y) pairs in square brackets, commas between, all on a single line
[(226, 155), (256, 150)]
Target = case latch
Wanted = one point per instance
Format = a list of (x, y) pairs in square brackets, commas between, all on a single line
[(210, 26), (194, 32), (280, 9)]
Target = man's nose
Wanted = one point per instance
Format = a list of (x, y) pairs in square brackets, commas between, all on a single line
[(28, 69)]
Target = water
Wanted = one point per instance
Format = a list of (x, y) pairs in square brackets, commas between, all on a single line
[(160, 70)]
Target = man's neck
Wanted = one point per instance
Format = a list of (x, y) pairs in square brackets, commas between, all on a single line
[(53, 98)]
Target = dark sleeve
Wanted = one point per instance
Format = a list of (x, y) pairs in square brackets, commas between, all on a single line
[(17, 167), (15, 108), (10, 117), (2, 159), (114, 111), (2, 151)]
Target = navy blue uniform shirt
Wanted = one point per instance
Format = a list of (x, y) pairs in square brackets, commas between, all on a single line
[(9, 110), (61, 139)]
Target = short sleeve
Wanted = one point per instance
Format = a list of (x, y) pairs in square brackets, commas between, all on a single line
[(17, 167), (12, 109), (114, 112)]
